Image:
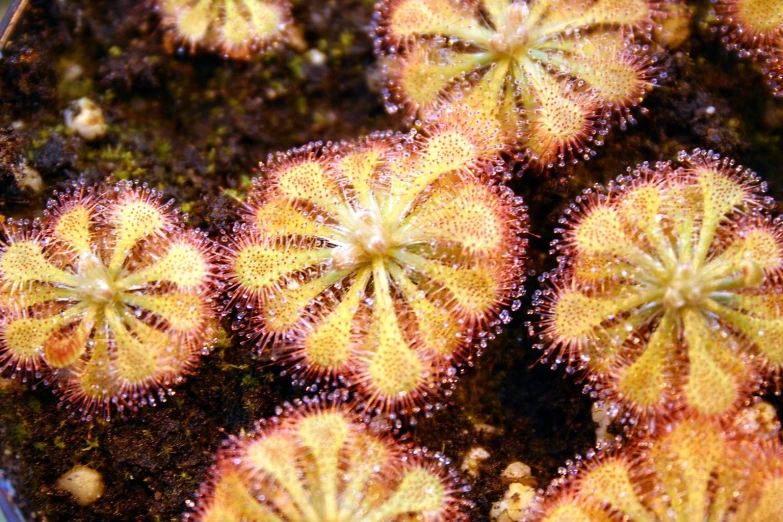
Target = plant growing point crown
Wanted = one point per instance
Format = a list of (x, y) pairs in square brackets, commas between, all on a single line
[(109, 296), (694, 470), (668, 293), (326, 465), (234, 28), (754, 28), (553, 73), (383, 262)]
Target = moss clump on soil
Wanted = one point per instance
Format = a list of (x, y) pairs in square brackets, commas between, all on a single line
[(196, 127)]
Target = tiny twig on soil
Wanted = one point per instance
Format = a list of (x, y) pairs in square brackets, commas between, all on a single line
[(9, 21)]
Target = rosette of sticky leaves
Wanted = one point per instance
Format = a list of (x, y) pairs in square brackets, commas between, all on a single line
[(109, 296), (384, 262), (554, 73), (696, 470), (234, 28), (668, 293), (754, 29), (326, 465)]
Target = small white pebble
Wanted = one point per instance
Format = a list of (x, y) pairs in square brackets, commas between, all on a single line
[(603, 415), (316, 57), (473, 459), (375, 79), (515, 504), (518, 472), (486, 428), (85, 484), (73, 72), (760, 419), (26, 176), (85, 118)]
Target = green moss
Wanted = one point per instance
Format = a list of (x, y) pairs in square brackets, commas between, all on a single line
[(301, 105), (91, 444), (347, 39), (233, 194), (118, 161), (295, 66), (19, 433), (248, 381), (227, 367), (237, 106), (75, 89), (34, 405), (163, 151)]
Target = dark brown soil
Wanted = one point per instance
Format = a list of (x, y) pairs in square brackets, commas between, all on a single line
[(196, 127)]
